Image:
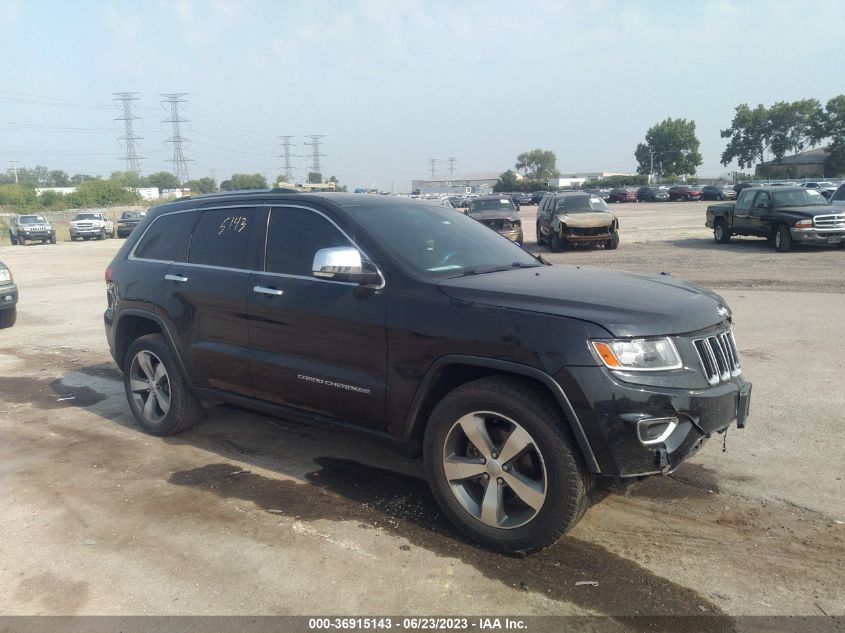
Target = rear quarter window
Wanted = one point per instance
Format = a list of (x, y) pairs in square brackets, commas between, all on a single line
[(166, 238)]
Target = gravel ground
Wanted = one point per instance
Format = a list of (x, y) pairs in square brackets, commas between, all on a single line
[(247, 514)]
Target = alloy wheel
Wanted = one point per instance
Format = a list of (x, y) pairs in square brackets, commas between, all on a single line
[(495, 470), (150, 386)]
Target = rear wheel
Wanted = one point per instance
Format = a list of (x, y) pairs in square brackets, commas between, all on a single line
[(721, 233), (158, 395), (502, 465), (783, 239)]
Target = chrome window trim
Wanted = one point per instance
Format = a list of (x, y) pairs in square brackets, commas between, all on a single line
[(269, 207)]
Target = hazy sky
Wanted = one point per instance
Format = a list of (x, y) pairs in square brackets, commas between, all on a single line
[(392, 83)]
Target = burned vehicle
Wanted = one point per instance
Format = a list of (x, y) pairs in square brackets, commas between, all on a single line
[(498, 213), (574, 217)]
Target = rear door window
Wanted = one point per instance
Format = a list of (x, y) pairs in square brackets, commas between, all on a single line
[(167, 237), (222, 238)]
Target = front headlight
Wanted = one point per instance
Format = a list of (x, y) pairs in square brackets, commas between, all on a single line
[(5, 275), (639, 354), (804, 224)]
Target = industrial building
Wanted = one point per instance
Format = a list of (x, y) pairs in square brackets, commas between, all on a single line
[(480, 183)]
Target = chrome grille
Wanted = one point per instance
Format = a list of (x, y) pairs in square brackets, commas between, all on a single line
[(834, 221), (718, 356)]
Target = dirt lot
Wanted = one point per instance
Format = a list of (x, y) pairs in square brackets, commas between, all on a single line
[(247, 514)]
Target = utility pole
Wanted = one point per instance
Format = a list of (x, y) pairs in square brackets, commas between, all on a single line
[(452, 160), (286, 145), (15, 169), (175, 101), (432, 165), (124, 101), (651, 167), (314, 144)]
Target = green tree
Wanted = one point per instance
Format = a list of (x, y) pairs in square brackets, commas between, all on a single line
[(507, 181), (226, 185), (202, 185), (315, 177), (749, 134), (160, 179), (831, 124), (126, 178), (792, 127), (239, 182), (101, 193), (537, 164), (79, 178), (670, 149), (58, 178), (18, 197)]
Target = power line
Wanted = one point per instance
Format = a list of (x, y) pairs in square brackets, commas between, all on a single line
[(315, 151), (124, 101), (432, 165), (175, 101), (286, 145), (452, 160)]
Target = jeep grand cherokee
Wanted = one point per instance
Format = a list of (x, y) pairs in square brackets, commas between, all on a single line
[(519, 383)]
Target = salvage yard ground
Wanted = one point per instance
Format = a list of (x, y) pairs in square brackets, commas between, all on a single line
[(247, 514)]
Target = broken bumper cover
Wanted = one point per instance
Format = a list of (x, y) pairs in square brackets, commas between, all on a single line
[(616, 415)]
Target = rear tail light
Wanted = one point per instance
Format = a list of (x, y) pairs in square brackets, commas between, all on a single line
[(108, 274)]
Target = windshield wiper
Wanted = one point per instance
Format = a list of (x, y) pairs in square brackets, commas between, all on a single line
[(496, 269)]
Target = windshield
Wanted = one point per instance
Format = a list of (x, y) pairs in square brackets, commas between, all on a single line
[(799, 198), (435, 242), (581, 204), (131, 215), (32, 219), (86, 216), (493, 204)]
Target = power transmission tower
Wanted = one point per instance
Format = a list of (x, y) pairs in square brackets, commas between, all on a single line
[(286, 145), (15, 169), (432, 165), (315, 151), (452, 160), (175, 100), (124, 101)]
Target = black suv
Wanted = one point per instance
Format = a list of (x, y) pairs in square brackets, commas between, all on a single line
[(519, 383)]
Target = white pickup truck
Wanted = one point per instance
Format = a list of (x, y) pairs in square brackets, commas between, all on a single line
[(91, 226)]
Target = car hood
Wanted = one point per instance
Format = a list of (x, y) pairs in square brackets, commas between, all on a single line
[(483, 216), (586, 220), (626, 304)]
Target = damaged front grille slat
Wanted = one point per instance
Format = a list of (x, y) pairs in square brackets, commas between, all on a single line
[(718, 356)]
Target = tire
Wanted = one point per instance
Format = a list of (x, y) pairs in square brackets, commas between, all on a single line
[(783, 240), (13, 240), (21, 241), (174, 408), (8, 317), (613, 243), (52, 239), (540, 239), (102, 235), (548, 471), (556, 244), (721, 233)]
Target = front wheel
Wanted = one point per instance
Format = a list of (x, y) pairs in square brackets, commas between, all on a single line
[(783, 239), (158, 395), (540, 239), (52, 239), (8, 317), (502, 465), (721, 233), (102, 235), (13, 240), (613, 243), (556, 242)]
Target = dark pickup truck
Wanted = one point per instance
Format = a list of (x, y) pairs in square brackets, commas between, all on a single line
[(785, 215)]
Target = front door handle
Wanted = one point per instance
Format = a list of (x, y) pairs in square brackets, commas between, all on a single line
[(179, 278), (270, 292)]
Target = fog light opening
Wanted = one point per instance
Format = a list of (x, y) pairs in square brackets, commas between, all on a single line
[(652, 431)]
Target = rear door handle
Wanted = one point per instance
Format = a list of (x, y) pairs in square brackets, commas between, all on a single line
[(179, 278), (270, 292)]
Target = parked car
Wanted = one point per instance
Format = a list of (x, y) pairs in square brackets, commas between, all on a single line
[(91, 226), (520, 384), (8, 297), (33, 228), (684, 192), (127, 222), (520, 198), (499, 213), (622, 194), (456, 201), (824, 187), (838, 197), (784, 215), (537, 196), (718, 192), (738, 187), (652, 194), (576, 218)]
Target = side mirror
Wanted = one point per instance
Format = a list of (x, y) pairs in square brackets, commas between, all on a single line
[(344, 263)]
